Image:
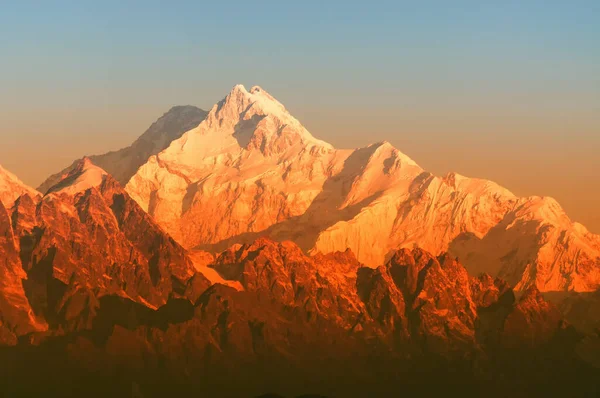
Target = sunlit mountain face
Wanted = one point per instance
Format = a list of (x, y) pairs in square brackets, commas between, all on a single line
[(231, 253)]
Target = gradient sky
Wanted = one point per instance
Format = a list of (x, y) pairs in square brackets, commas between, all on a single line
[(508, 91)]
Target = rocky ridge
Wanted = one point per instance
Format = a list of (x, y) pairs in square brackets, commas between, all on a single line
[(84, 240), (299, 318)]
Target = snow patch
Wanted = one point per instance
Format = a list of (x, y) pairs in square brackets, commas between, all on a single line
[(84, 176), (11, 188)]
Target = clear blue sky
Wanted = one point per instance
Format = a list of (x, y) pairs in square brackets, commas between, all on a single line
[(506, 90), (164, 52)]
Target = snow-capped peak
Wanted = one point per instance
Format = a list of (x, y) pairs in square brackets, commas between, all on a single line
[(239, 101), (245, 130), (243, 113), (83, 176), (11, 188), (251, 168)]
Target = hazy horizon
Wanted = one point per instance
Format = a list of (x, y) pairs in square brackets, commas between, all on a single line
[(510, 93)]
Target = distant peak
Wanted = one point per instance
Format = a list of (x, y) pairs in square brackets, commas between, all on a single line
[(386, 149), (532, 297), (179, 111), (238, 92), (242, 89), (84, 175), (241, 111), (85, 163), (179, 108), (239, 87), (258, 96)]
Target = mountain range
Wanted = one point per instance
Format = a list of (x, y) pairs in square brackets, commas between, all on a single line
[(231, 253), (250, 169)]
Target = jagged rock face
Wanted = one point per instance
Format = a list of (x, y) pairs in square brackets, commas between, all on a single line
[(443, 307), (294, 315), (384, 303), (250, 169), (322, 286), (487, 291), (122, 164), (428, 299), (533, 321), (583, 311), (409, 297), (415, 300), (16, 315), (87, 239)]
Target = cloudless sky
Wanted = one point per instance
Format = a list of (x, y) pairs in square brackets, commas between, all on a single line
[(503, 90)]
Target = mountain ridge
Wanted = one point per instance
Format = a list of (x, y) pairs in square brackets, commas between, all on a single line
[(251, 169), (123, 163), (11, 187), (300, 319)]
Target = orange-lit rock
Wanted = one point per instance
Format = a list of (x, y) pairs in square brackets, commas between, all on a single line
[(250, 169)]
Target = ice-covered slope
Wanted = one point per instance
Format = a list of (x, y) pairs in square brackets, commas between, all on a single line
[(122, 164), (251, 169), (11, 188), (83, 176)]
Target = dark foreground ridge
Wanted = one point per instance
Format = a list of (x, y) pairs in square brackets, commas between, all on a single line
[(98, 301)]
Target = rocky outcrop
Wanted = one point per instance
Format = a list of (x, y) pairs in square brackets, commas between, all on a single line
[(415, 300), (533, 322), (322, 286), (16, 315), (432, 302), (85, 240)]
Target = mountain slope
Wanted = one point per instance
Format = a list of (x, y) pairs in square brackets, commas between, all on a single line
[(122, 164), (16, 315), (11, 188), (250, 169), (85, 240)]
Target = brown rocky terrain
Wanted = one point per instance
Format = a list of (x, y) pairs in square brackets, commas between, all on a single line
[(67, 250), (326, 324)]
